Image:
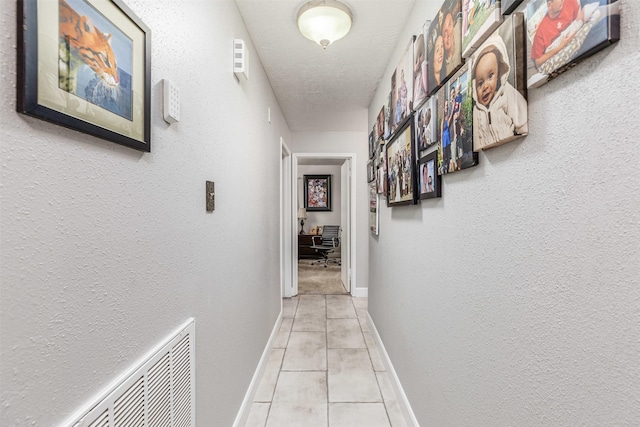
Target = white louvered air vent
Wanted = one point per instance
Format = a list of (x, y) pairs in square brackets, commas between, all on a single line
[(159, 392)]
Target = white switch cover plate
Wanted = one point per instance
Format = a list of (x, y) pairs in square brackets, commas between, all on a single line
[(171, 96)]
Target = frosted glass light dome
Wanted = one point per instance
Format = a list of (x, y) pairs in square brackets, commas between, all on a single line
[(324, 21)]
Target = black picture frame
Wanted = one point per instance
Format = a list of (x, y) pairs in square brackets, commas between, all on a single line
[(371, 171), (115, 107), (455, 114), (428, 167), (372, 146), (317, 193), (509, 6), (399, 157)]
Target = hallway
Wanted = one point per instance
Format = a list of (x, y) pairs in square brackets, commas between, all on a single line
[(325, 369)]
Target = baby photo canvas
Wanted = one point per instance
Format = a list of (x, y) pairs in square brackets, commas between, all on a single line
[(444, 44), (479, 19), (499, 86), (561, 33)]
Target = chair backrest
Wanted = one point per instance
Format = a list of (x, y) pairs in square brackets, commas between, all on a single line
[(331, 235)]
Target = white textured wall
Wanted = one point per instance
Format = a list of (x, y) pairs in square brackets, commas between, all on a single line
[(515, 299), (346, 142), (315, 218), (105, 250)]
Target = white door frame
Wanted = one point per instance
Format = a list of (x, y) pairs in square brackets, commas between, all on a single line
[(351, 248), (345, 215), (286, 223)]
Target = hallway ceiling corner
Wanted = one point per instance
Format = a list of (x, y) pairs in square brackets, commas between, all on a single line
[(325, 90)]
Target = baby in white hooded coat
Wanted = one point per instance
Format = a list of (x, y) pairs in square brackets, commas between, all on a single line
[(500, 111)]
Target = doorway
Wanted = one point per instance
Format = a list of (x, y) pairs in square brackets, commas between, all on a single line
[(342, 164), (286, 224)]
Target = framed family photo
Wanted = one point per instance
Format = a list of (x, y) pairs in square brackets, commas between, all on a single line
[(401, 167), (317, 192), (86, 66), (455, 114), (428, 179)]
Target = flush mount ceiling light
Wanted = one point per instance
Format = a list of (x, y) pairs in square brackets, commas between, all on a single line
[(324, 21)]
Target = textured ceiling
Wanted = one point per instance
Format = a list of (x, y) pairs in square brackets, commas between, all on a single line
[(325, 90)]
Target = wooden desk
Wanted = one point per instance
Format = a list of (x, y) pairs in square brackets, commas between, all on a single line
[(304, 247)]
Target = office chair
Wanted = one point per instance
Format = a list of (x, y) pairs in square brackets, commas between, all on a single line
[(327, 242)]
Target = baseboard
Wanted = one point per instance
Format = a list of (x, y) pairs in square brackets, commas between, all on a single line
[(405, 406), (245, 408), (360, 292)]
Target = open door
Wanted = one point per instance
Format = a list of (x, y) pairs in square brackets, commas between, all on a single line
[(346, 161)]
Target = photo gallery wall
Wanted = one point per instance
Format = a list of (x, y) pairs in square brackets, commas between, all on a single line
[(461, 85)]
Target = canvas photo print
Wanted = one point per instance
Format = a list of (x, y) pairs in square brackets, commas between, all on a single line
[(444, 44), (455, 104), (498, 84), (561, 33), (426, 125), (402, 88), (420, 65), (479, 19)]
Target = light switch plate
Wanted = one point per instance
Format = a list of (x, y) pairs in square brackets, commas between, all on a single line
[(211, 196), (171, 96)]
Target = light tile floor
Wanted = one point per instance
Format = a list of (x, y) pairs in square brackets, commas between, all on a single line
[(325, 369)]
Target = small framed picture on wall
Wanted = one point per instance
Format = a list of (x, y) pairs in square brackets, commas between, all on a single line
[(317, 192), (428, 179)]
